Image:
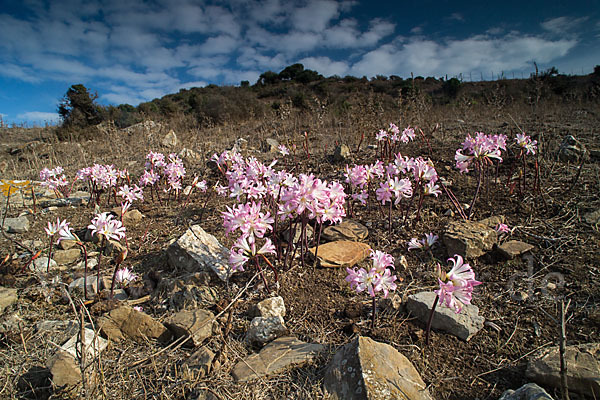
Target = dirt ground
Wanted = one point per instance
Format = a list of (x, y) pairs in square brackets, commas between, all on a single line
[(320, 306)]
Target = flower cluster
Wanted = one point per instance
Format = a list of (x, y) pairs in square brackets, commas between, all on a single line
[(502, 228), (106, 225), (54, 179), (525, 143), (379, 277), (131, 193), (426, 243), (124, 277), (478, 149), (456, 286), (389, 138)]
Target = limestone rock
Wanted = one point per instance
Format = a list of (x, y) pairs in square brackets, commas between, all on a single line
[(272, 307), (471, 239), (341, 153), (92, 284), (64, 369), (367, 370), (462, 325), (125, 322), (572, 149), (514, 248), (583, 368), (198, 250), (196, 324), (530, 391), (94, 345), (347, 230), (40, 264), (276, 357), (75, 199), (65, 257), (8, 297), (264, 329), (191, 297), (341, 253), (170, 139), (16, 225), (270, 146)]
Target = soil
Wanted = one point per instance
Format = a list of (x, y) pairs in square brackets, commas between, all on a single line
[(514, 298)]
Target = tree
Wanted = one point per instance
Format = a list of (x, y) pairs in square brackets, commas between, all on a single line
[(268, 78), (78, 108), (291, 72)]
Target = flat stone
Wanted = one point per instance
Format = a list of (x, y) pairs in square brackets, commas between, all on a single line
[(8, 297), (341, 253), (272, 307), (131, 217), (92, 284), (583, 368), (71, 327), (75, 199), (368, 370), (16, 225), (197, 250), (67, 244), (347, 230), (196, 324), (40, 264), (64, 369), (278, 356), (200, 361), (471, 239), (64, 257), (462, 325), (91, 263), (94, 345), (264, 329), (514, 248), (530, 391), (125, 322)]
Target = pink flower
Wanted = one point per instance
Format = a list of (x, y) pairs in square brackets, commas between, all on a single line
[(124, 276), (53, 229), (378, 278), (283, 150), (502, 228), (456, 286), (425, 243), (105, 225)]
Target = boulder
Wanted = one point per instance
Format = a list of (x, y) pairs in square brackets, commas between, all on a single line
[(195, 324), (583, 368), (341, 253), (264, 329), (530, 391), (125, 322), (278, 356), (8, 297), (368, 370), (347, 230), (471, 239), (462, 325), (197, 250)]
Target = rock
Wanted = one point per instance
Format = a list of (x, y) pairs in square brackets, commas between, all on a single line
[(191, 297), (10, 323), (131, 217), (365, 369), (40, 264), (198, 250), (67, 244), (94, 345), (113, 248), (341, 253), (347, 230), (393, 302), (91, 264), (75, 199), (125, 322), (583, 368), (530, 391), (341, 153), (272, 307), (170, 139), (145, 127), (276, 357), (8, 297), (514, 248), (64, 257), (189, 155), (64, 369), (470, 239), (200, 361), (270, 146), (572, 149), (196, 324), (462, 325), (264, 329), (593, 217), (92, 284), (71, 327), (16, 225)]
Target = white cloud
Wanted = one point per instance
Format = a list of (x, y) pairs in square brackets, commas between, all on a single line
[(17, 72), (563, 25), (38, 117), (325, 66), (315, 16), (456, 17)]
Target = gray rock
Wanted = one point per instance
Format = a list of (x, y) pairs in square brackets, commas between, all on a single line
[(367, 370), (341, 153), (347, 230), (92, 284), (16, 225), (196, 324), (583, 368), (278, 356), (64, 257), (462, 325), (189, 155), (264, 329), (592, 218), (8, 297), (514, 248), (40, 264), (471, 239), (71, 327), (75, 199), (91, 264), (272, 307), (191, 297), (125, 322), (200, 361), (572, 149), (530, 391), (198, 250), (270, 146), (94, 345), (170, 139)]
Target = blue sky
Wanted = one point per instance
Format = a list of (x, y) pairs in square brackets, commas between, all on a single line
[(134, 51)]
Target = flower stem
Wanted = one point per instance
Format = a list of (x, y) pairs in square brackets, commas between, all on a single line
[(85, 271), (480, 169), (428, 329), (374, 313), (49, 254)]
